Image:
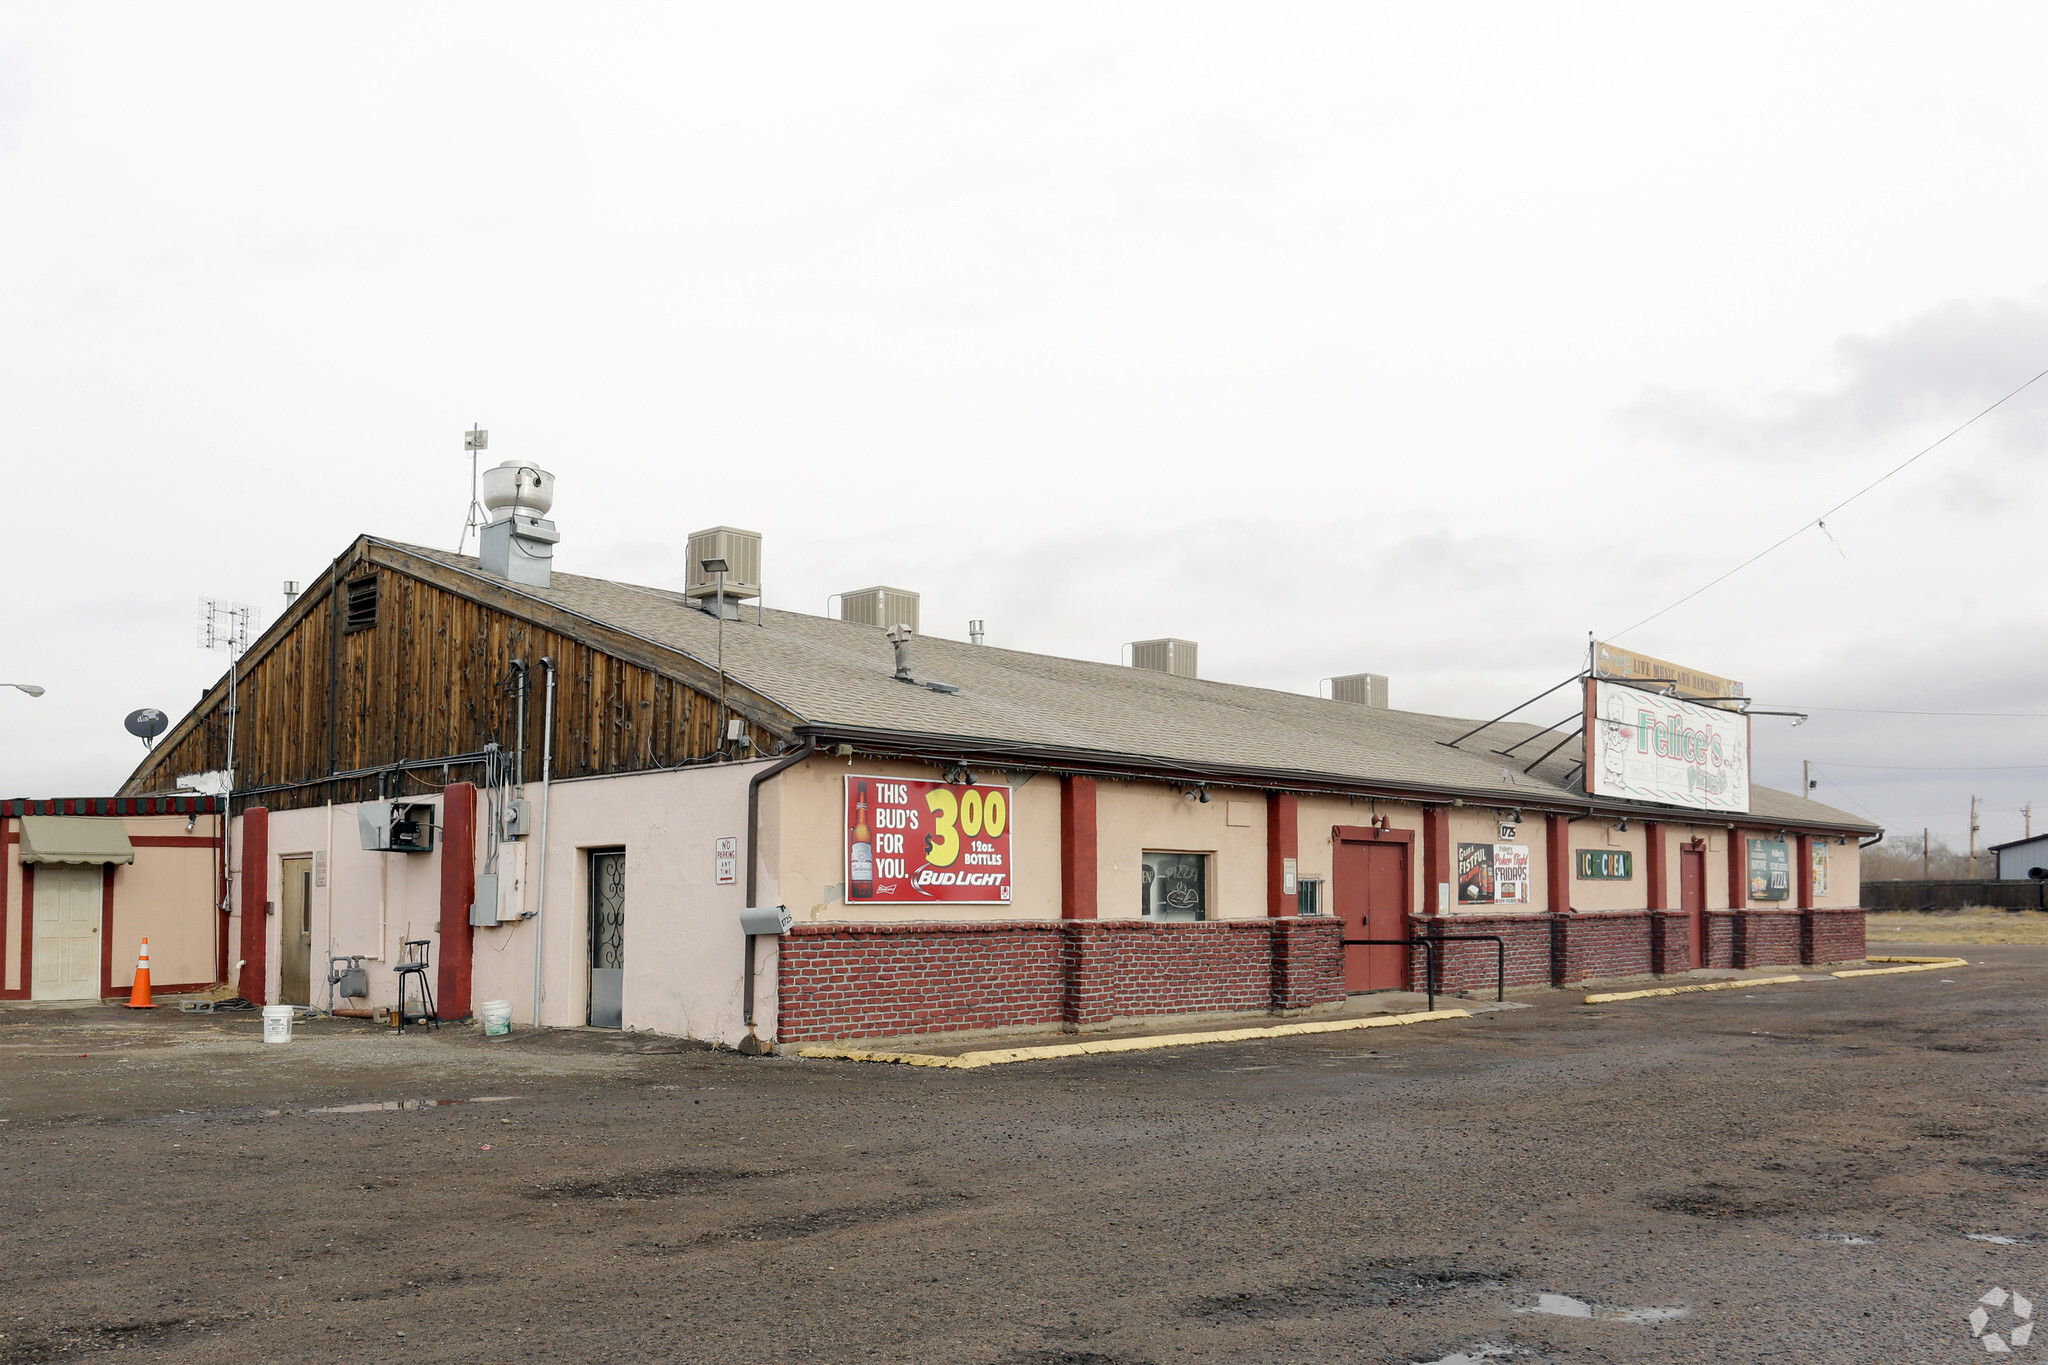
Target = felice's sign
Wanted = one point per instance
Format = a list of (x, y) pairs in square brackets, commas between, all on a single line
[(1643, 747), (909, 842)]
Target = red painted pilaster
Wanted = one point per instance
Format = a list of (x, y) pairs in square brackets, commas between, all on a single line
[(1557, 856), (458, 890), (1283, 841), (1436, 859), (107, 930), (1077, 848), (1655, 836), (1802, 875), (1738, 869), (255, 905)]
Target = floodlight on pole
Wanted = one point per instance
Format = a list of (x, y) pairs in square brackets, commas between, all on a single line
[(716, 565), (224, 626), (475, 440), (29, 688)]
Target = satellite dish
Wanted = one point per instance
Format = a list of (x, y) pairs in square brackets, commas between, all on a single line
[(147, 724)]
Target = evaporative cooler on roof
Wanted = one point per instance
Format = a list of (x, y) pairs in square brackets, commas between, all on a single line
[(1360, 689), (1165, 656), (879, 606)]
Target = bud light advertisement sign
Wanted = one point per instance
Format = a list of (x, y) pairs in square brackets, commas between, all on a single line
[(908, 843)]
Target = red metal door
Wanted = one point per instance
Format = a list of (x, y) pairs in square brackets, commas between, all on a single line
[(1371, 897), (1692, 898)]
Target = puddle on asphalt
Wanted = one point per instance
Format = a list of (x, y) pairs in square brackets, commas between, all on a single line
[(1996, 1239), (1474, 1355), (1565, 1306), (1844, 1239), (378, 1106)]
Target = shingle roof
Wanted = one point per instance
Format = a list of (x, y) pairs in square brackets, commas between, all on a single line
[(840, 675)]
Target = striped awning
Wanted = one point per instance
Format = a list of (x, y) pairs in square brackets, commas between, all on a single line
[(74, 839)]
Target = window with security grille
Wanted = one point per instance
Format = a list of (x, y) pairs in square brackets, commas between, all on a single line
[(1309, 891)]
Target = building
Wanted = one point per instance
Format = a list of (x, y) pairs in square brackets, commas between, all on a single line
[(569, 789), (2018, 858), (83, 882)]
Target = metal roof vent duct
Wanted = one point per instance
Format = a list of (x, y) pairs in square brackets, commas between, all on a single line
[(741, 551), (518, 543), (1165, 656), (879, 606), (1360, 689)]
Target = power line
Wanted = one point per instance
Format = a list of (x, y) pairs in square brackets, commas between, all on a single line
[(1885, 711), (1804, 526), (1940, 767)]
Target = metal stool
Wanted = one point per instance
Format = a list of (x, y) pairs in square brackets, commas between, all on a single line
[(415, 959)]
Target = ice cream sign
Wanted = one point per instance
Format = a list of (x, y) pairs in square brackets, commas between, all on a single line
[(1644, 747)]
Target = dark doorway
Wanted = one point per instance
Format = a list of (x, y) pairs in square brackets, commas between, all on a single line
[(1692, 898), (1371, 897), (607, 937)]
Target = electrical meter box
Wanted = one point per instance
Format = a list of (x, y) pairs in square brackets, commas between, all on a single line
[(396, 826), (518, 819)]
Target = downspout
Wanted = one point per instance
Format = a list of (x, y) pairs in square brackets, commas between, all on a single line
[(547, 766), (751, 1045)]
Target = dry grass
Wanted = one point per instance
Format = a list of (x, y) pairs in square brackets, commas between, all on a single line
[(1958, 926)]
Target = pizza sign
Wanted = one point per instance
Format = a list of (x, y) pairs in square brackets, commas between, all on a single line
[(908, 843)]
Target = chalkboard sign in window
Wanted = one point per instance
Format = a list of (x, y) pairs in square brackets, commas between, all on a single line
[(1176, 886)]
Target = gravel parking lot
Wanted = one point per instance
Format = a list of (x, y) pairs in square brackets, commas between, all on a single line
[(1829, 1171)]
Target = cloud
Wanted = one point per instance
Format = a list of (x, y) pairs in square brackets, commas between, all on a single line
[(1907, 384)]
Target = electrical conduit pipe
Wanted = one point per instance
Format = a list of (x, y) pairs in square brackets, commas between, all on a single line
[(547, 762), (750, 1044)]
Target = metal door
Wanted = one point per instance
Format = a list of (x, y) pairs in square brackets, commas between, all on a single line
[(1371, 897), (607, 936), (295, 934), (1692, 898), (67, 932)]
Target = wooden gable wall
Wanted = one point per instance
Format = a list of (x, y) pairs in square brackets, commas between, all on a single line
[(322, 707)]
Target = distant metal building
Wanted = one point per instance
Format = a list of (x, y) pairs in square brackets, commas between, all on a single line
[(2017, 859)]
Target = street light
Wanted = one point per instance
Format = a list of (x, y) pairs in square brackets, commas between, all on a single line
[(29, 688)]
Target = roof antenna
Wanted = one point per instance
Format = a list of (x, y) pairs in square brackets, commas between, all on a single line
[(474, 440)]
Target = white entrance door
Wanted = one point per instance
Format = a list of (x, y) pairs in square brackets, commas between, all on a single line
[(67, 951)]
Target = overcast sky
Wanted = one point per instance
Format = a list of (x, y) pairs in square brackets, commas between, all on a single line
[(1415, 339)]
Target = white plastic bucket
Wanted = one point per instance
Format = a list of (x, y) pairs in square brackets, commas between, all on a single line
[(277, 1023), (497, 1017)]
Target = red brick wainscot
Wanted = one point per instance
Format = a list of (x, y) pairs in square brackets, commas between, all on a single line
[(1833, 936), (1469, 968), (879, 980)]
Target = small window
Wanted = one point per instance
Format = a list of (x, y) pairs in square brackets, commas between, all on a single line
[(1176, 886), (361, 610), (1310, 893)]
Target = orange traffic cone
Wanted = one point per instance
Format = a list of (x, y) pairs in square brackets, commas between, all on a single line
[(138, 998)]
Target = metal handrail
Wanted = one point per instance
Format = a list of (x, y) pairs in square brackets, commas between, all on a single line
[(1429, 955), (1429, 967)]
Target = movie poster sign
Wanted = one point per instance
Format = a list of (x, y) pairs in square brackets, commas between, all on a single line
[(913, 843), (1493, 874), (1643, 747)]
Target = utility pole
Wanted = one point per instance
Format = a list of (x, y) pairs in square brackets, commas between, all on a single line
[(1926, 838), (1973, 838), (1807, 786), (2028, 811)]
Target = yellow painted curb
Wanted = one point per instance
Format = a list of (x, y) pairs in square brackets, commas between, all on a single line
[(1919, 964), (969, 1061), (1609, 997)]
